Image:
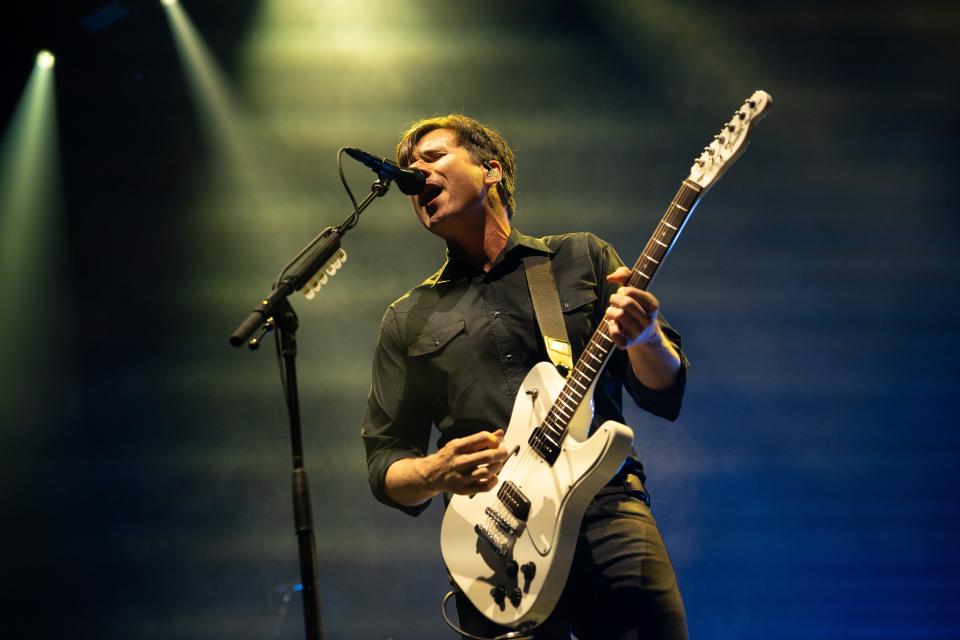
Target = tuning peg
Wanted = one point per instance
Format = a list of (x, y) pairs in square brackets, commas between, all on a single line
[(752, 103), (730, 127), (741, 115)]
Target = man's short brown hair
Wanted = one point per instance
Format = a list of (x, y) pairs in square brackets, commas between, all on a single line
[(481, 142)]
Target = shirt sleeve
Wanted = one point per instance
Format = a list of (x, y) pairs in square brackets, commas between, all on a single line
[(660, 402), (396, 424)]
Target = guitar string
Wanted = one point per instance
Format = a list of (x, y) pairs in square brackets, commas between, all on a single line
[(688, 194), (527, 459), (559, 431)]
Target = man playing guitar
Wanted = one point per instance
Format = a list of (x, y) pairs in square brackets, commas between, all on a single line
[(453, 352)]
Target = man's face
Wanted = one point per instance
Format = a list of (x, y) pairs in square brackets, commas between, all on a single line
[(455, 188)]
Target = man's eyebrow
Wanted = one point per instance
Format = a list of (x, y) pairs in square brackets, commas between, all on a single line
[(429, 151)]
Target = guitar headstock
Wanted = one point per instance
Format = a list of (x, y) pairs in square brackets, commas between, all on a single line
[(727, 145)]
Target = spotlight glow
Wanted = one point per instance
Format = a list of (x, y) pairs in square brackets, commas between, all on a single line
[(168, 2), (45, 59), (30, 237)]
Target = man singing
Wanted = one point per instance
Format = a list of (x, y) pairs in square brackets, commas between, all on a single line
[(453, 351)]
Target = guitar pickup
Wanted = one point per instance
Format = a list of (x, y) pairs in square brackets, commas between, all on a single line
[(513, 499), (544, 443)]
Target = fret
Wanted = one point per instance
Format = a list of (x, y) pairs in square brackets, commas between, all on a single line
[(553, 434), (598, 348), (555, 442), (551, 423), (548, 418), (566, 403), (581, 379)]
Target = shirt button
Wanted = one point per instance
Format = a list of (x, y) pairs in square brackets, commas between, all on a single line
[(509, 356), (436, 343), (496, 314), (566, 305)]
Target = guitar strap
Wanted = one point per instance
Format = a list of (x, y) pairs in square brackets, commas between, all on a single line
[(546, 307)]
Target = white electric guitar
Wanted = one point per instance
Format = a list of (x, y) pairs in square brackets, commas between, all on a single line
[(510, 549)]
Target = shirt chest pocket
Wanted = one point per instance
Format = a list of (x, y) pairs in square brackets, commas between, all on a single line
[(441, 354), (579, 307)]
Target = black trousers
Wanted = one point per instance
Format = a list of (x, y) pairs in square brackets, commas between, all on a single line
[(621, 585)]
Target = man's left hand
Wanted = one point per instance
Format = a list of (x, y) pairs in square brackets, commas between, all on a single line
[(632, 315)]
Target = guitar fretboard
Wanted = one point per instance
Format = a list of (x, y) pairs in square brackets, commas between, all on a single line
[(598, 349)]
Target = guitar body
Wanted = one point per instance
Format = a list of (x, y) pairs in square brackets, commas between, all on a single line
[(540, 548)]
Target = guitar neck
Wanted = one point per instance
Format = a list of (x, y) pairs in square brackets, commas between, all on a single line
[(600, 346), (665, 235), (707, 168)]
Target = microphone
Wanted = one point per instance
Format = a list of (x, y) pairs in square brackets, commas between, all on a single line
[(409, 181)]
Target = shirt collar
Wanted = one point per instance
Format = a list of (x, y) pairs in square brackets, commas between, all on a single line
[(517, 244)]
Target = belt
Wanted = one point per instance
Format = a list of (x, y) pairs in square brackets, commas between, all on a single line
[(626, 481)]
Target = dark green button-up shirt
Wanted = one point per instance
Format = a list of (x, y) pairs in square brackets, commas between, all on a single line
[(453, 352)]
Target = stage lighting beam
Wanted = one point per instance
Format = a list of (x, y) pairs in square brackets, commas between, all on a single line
[(30, 242)]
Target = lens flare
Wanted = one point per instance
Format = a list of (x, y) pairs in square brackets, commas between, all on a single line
[(45, 59)]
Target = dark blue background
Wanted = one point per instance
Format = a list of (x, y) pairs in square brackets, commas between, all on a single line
[(807, 490)]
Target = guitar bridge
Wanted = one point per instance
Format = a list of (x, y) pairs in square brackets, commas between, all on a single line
[(500, 521), (495, 539)]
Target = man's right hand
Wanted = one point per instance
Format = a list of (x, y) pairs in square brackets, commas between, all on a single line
[(465, 465)]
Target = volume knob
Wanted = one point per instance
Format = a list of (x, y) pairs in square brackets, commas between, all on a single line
[(499, 594), (529, 570)]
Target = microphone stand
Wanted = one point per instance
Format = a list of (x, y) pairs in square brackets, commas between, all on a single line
[(275, 311)]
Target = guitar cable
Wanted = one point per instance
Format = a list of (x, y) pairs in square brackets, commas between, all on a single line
[(510, 635)]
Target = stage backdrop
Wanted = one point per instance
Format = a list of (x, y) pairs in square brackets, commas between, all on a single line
[(807, 489)]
